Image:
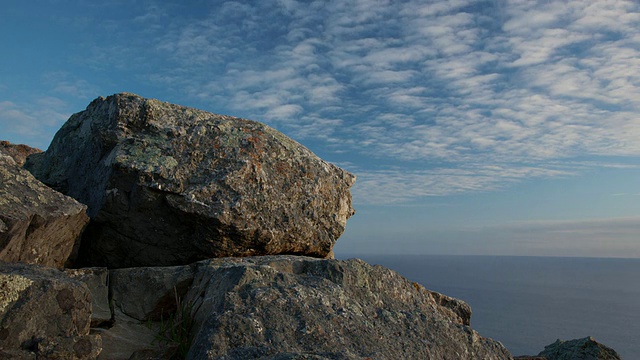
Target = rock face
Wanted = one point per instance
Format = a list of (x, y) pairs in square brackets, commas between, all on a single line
[(37, 224), (97, 280), (286, 307), (44, 314), (169, 185), (579, 349)]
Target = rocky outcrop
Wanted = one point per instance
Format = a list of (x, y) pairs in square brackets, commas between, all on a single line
[(37, 224), (286, 307), (169, 185), (44, 314), (578, 349)]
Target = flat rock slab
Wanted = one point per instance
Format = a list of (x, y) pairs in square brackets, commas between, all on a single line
[(170, 185), (37, 224)]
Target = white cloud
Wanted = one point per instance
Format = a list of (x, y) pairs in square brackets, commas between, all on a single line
[(32, 123), (398, 186), (468, 83)]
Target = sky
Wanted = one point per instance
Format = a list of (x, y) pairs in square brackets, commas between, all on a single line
[(498, 127)]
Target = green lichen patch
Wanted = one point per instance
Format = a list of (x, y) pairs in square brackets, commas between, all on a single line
[(10, 288)]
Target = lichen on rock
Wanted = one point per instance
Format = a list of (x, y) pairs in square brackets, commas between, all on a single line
[(11, 287), (169, 185)]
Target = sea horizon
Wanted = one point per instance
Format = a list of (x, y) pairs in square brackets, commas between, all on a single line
[(528, 302)]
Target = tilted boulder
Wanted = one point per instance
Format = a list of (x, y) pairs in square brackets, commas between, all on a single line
[(44, 313), (292, 307), (169, 185), (37, 224)]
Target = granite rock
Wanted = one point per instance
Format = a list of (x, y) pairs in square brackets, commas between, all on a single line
[(37, 224), (170, 185), (46, 313), (97, 280), (287, 307), (148, 293), (579, 349)]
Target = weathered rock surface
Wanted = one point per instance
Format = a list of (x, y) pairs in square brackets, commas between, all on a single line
[(37, 224), (153, 289), (287, 307), (18, 152), (97, 280), (129, 337), (579, 349), (44, 313), (169, 185), (142, 300)]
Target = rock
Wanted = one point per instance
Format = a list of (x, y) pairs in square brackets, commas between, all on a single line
[(148, 294), (44, 312), (97, 280), (170, 185), (143, 299), (37, 224), (288, 307), (18, 152), (579, 349), (130, 339)]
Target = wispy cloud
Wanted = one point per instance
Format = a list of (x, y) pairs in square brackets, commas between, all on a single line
[(458, 95), (397, 186), (33, 122)]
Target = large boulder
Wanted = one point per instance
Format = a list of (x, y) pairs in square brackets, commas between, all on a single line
[(288, 307), (44, 314), (578, 349), (169, 185), (37, 224)]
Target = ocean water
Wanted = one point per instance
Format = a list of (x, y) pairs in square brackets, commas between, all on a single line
[(529, 302)]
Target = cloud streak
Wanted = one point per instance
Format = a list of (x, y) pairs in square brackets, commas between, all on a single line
[(444, 97), (517, 85)]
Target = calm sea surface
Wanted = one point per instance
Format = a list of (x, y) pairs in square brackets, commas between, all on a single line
[(529, 302)]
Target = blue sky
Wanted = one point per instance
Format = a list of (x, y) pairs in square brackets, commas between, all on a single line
[(474, 127)]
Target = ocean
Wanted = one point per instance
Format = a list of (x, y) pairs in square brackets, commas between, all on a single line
[(529, 302)]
